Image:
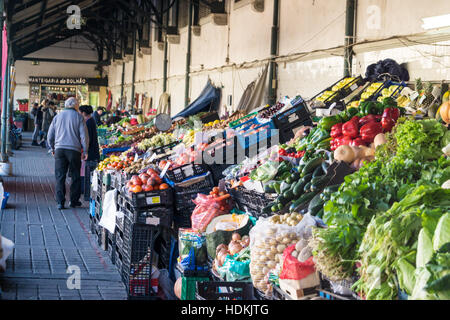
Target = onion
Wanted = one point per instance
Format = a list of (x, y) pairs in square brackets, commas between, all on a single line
[(220, 247), (236, 236), (234, 247), (245, 241)]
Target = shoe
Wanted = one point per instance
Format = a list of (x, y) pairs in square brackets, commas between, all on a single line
[(35, 144), (60, 206), (43, 145), (75, 204)]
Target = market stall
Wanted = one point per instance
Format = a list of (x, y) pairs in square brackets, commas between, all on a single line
[(357, 181)]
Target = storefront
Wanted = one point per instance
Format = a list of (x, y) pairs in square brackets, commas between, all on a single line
[(90, 91)]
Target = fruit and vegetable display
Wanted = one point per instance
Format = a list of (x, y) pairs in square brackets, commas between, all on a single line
[(360, 196)]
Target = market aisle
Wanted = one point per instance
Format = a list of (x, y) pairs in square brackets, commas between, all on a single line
[(47, 240)]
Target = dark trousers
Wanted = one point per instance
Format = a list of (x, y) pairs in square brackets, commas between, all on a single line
[(89, 167), (67, 160)]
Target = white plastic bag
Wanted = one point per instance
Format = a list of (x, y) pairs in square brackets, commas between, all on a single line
[(6, 246), (108, 219)]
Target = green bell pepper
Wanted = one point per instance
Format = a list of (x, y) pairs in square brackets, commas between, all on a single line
[(328, 122)]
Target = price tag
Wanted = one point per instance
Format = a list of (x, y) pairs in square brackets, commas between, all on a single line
[(152, 157), (436, 92), (188, 170), (413, 95), (293, 117), (422, 99), (136, 157), (163, 172), (152, 221), (153, 200), (354, 87)]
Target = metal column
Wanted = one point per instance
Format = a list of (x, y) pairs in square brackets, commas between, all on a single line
[(273, 53), (133, 99), (188, 57), (349, 36), (123, 79)]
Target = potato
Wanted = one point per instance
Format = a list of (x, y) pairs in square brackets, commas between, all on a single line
[(286, 240), (273, 241), (280, 248), (271, 264)]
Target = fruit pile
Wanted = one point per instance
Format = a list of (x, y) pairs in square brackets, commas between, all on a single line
[(327, 94), (107, 163), (269, 112), (145, 182)]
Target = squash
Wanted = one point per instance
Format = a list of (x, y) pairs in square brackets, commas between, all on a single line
[(444, 111), (177, 287), (216, 237)]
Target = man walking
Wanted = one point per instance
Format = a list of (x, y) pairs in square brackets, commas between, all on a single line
[(69, 141), (36, 112), (48, 113), (97, 115)]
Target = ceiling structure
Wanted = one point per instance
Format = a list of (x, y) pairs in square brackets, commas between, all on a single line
[(112, 26)]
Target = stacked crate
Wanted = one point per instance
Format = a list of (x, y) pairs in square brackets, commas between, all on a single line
[(147, 218)]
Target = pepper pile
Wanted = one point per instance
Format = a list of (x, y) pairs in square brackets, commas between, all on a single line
[(362, 131)]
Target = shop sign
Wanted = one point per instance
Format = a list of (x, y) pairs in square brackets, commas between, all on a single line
[(58, 81)]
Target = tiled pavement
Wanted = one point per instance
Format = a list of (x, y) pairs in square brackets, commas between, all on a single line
[(47, 240)]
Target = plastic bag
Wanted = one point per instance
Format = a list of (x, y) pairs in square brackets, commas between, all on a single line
[(268, 242), (209, 207), (294, 269), (235, 267), (192, 245), (6, 248)]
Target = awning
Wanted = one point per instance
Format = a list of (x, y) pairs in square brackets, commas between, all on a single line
[(209, 100)]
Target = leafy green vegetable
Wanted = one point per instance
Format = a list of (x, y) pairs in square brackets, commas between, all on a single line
[(405, 273), (442, 232), (424, 248)]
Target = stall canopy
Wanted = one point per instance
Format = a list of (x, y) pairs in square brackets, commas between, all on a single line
[(208, 100)]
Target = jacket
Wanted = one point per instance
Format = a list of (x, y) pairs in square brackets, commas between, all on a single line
[(47, 116), (68, 131)]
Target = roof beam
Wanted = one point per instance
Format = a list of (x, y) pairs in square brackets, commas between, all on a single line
[(41, 19), (59, 60)]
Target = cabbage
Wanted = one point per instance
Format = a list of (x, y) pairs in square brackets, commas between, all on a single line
[(419, 292), (424, 249), (442, 232), (405, 273)]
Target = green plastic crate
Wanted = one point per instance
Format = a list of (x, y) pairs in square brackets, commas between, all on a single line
[(189, 287), (237, 122), (107, 179)]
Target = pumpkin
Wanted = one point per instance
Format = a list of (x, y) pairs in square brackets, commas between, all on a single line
[(177, 287), (445, 112)]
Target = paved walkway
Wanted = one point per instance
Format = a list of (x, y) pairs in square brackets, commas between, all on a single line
[(47, 240)]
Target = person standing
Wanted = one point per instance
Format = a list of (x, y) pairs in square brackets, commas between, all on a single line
[(97, 115), (36, 112), (68, 139), (94, 149), (48, 113)]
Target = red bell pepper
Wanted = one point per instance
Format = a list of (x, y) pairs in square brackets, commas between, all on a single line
[(393, 113), (357, 142), (350, 129), (370, 130), (336, 130), (367, 119), (343, 141), (387, 124)]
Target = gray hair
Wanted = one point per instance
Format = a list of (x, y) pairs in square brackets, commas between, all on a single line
[(71, 102)]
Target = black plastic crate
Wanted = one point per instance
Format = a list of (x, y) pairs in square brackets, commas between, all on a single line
[(119, 223), (119, 240), (186, 171), (182, 218), (157, 216), (212, 116), (217, 171), (146, 199), (212, 290), (166, 148), (119, 263), (184, 199), (251, 201), (136, 258), (291, 119), (112, 247)]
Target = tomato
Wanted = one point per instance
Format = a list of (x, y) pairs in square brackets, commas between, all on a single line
[(147, 188), (136, 189), (144, 177), (136, 180), (151, 172), (156, 187), (164, 186)]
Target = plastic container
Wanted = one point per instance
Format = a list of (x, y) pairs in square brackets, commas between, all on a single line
[(209, 290), (146, 199), (189, 287), (156, 216), (236, 123), (186, 171)]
